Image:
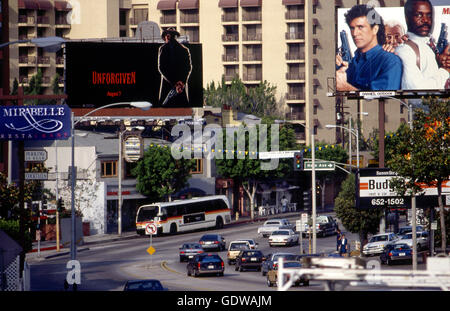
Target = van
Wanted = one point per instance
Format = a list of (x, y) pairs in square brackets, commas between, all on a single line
[(234, 247)]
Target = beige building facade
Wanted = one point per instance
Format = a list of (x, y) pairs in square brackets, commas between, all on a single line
[(289, 43)]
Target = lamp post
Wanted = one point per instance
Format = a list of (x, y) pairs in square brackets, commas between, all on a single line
[(142, 105), (119, 193)]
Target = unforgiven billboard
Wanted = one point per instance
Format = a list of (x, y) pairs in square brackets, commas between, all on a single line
[(393, 48), (100, 73)]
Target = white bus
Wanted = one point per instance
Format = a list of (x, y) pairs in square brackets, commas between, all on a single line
[(185, 215)]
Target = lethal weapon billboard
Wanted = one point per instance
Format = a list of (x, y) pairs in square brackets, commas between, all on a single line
[(393, 48), (100, 73)]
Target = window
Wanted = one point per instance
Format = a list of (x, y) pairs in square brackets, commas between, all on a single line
[(109, 169), (198, 169), (123, 17)]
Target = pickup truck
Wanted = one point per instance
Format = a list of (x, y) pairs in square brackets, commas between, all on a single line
[(325, 225), (273, 225)]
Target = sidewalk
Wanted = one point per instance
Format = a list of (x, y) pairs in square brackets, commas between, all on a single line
[(48, 248)]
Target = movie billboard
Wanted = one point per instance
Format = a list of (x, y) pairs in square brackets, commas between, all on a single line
[(393, 48), (100, 73)]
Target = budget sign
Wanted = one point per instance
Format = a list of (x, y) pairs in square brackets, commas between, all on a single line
[(41, 122)]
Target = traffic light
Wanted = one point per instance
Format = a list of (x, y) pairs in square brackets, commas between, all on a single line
[(60, 207), (44, 203), (307, 200), (298, 161)]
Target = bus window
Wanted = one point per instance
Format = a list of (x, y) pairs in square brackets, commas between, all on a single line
[(147, 213)]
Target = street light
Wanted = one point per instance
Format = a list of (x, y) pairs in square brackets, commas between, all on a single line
[(142, 105), (119, 199)]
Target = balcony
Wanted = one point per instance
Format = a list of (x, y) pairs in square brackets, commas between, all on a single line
[(230, 77), (295, 56), (168, 19), (43, 60), (43, 20), (295, 15), (296, 116), (59, 61), (295, 76), (252, 57), (27, 20), (189, 19), (298, 96), (230, 58), (252, 37), (230, 37), (295, 35), (27, 60), (230, 17), (251, 17), (252, 77)]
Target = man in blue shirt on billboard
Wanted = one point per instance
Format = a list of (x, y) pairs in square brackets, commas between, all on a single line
[(372, 68)]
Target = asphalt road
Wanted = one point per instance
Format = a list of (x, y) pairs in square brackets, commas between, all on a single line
[(106, 267)]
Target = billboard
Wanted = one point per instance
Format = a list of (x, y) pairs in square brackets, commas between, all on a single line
[(100, 73), (365, 64), (39, 122), (374, 190)]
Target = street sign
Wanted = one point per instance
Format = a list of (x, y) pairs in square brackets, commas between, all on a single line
[(277, 154), (36, 176), (150, 229), (319, 166), (132, 148), (151, 250), (35, 155)]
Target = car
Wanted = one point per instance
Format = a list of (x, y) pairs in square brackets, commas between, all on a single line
[(249, 258), (189, 250), (272, 276), (283, 237), (421, 238), (205, 263), (396, 252), (212, 241), (144, 285), (325, 225), (378, 243), (253, 243), (407, 229), (272, 261), (234, 247), (272, 225)]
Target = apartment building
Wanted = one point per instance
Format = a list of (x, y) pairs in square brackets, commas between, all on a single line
[(289, 43)]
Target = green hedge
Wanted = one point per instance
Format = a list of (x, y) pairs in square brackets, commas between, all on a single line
[(11, 228)]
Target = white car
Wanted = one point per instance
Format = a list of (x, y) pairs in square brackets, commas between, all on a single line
[(283, 237), (273, 225), (377, 243), (421, 237), (253, 243)]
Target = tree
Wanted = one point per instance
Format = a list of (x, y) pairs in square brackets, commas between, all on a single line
[(259, 100), (247, 171), (355, 220), (421, 155), (159, 175), (327, 152)]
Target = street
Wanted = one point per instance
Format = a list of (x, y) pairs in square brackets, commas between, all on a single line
[(106, 267)]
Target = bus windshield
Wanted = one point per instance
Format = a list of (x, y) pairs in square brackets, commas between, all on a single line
[(147, 213)]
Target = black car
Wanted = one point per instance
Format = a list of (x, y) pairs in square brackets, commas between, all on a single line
[(144, 285), (249, 259), (205, 264), (272, 261), (212, 241), (189, 250)]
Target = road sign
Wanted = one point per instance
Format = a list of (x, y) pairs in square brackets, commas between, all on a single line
[(319, 166), (151, 250), (36, 176), (277, 154), (150, 229), (132, 148), (35, 155)]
